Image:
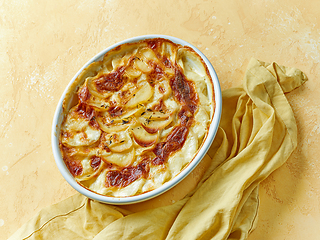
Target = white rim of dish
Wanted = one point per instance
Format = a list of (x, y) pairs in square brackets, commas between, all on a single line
[(57, 119)]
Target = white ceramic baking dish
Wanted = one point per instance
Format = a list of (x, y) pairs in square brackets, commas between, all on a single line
[(58, 118)]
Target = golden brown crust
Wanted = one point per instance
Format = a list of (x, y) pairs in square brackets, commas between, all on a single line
[(138, 117)]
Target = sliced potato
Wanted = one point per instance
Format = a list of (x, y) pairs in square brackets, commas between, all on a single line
[(85, 138), (162, 91), (78, 132), (191, 64), (147, 54), (119, 57), (88, 168), (121, 123), (163, 88), (142, 66), (118, 142), (142, 137), (121, 159), (104, 152), (98, 103), (133, 72), (154, 116), (93, 90), (144, 93), (140, 150), (112, 127), (153, 126), (169, 51), (127, 115)]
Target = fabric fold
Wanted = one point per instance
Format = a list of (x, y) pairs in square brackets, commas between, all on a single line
[(257, 134)]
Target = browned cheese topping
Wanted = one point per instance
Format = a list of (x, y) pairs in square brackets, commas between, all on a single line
[(140, 116)]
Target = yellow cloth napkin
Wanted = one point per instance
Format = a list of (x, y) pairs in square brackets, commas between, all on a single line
[(257, 134)]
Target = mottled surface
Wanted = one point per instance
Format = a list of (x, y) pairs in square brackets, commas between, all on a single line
[(44, 43)]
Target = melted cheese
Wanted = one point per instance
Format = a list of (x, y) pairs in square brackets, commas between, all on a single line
[(141, 116), (78, 132)]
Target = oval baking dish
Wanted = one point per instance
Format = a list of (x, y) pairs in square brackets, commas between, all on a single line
[(136, 119)]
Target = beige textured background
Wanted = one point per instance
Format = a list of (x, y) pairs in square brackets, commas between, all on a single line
[(44, 43)]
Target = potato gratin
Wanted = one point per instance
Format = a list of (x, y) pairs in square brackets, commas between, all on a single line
[(137, 117)]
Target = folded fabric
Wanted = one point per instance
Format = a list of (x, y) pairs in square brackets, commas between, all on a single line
[(257, 134)]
